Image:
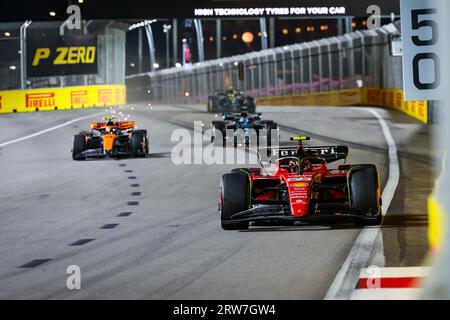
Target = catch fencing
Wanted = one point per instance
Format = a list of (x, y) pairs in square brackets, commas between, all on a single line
[(358, 59)]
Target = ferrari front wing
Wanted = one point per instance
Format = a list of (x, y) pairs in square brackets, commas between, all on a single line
[(282, 213)]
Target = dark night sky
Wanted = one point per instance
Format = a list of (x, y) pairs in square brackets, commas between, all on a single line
[(232, 46), (135, 10)]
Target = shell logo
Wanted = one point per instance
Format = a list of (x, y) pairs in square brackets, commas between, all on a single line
[(299, 184)]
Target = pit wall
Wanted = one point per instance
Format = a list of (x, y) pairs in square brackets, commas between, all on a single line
[(48, 99), (389, 98)]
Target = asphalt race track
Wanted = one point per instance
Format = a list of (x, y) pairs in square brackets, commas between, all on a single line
[(149, 229)]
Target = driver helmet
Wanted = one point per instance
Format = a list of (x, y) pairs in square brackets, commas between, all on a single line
[(110, 120), (306, 165), (293, 166)]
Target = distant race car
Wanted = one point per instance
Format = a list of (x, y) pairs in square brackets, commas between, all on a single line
[(241, 123), (231, 101), (110, 139), (301, 189)]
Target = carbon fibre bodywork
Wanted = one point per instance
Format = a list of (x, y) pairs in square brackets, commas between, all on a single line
[(112, 139), (221, 101)]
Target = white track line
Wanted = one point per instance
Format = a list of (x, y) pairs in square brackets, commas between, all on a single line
[(49, 129), (394, 167), (347, 277)]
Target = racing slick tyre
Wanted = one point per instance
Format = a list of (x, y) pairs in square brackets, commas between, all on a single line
[(252, 109), (247, 171), (209, 105), (139, 143), (234, 197), (79, 145), (218, 126), (212, 104), (364, 188), (250, 104)]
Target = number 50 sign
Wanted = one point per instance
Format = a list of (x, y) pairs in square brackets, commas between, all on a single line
[(422, 40)]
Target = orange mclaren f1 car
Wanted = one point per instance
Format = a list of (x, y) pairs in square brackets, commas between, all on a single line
[(110, 139)]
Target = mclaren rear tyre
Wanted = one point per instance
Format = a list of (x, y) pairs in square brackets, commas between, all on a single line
[(234, 197), (365, 194), (139, 143), (78, 146)]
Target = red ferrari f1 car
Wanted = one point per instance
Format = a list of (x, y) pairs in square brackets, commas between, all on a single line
[(301, 189)]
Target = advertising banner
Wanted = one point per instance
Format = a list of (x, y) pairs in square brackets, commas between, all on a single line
[(52, 55), (48, 99)]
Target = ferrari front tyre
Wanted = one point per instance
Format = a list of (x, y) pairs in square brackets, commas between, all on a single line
[(139, 143), (364, 188), (78, 146), (234, 197)]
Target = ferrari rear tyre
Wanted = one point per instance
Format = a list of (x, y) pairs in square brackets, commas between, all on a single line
[(79, 145), (365, 194), (234, 197)]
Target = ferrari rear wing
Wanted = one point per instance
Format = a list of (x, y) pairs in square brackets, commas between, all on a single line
[(329, 153)]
